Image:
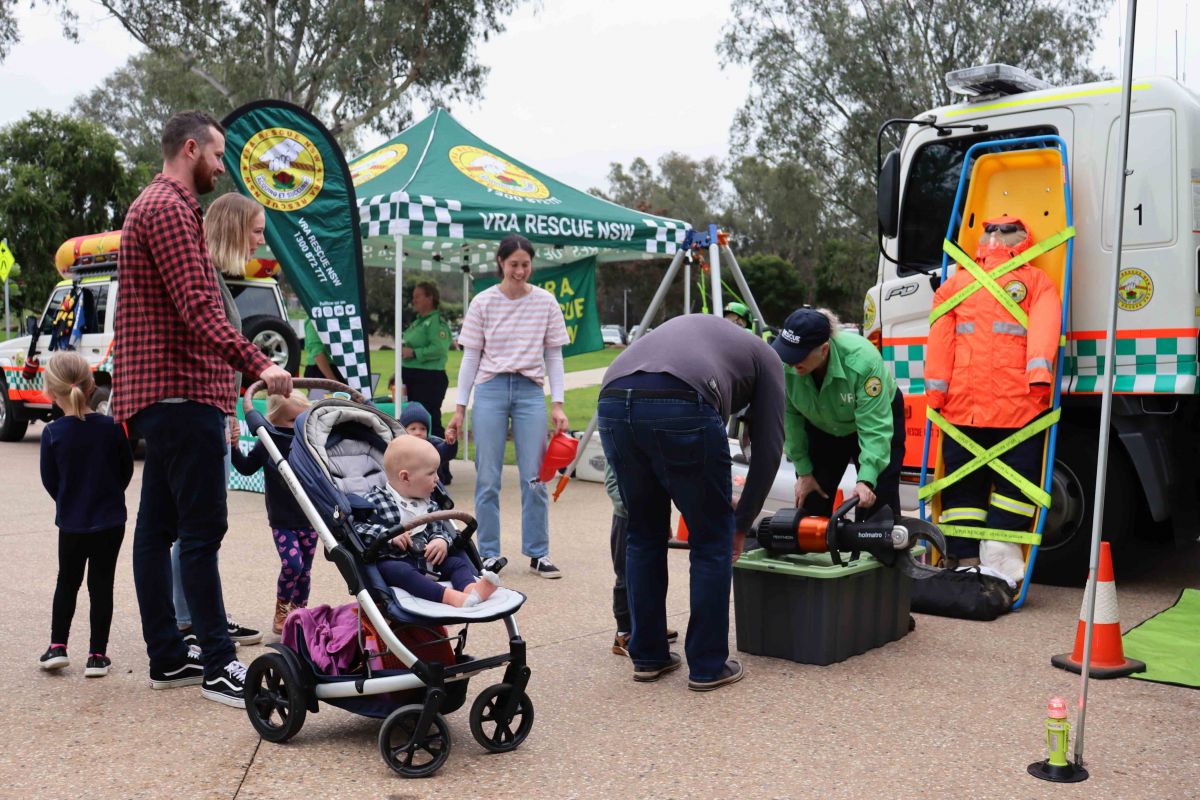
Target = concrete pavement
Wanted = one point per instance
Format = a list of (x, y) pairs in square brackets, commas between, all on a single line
[(955, 709)]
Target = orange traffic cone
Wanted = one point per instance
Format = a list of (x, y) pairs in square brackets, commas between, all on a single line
[(1108, 657), (680, 539)]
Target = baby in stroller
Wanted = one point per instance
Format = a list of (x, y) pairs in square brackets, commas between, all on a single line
[(412, 465)]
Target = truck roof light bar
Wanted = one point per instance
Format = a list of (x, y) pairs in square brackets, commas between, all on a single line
[(991, 80)]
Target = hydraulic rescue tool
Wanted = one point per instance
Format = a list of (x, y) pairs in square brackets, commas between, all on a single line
[(890, 539)]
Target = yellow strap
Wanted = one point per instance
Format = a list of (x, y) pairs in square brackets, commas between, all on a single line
[(1008, 266), (990, 457), (993, 534), (986, 281)]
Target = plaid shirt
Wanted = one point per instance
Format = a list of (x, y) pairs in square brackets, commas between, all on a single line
[(172, 336), (391, 510)]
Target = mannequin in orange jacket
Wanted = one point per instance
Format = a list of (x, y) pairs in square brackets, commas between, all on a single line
[(989, 376)]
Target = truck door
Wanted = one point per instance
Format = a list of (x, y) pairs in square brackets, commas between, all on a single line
[(932, 167)]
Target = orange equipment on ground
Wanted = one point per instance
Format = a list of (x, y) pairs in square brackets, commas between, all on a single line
[(1108, 655)]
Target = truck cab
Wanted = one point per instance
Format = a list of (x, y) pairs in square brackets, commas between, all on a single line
[(88, 266), (1152, 469)]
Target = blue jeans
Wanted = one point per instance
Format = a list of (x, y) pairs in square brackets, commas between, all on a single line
[(504, 397), (665, 450), (183, 497), (183, 617)]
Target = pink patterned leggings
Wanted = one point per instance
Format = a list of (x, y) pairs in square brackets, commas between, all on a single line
[(296, 548)]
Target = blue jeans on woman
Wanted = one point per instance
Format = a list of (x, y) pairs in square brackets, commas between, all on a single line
[(664, 450), (504, 397)]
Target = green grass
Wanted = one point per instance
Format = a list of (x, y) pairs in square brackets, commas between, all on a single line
[(383, 362)]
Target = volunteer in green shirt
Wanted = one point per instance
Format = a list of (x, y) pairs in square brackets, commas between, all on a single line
[(426, 345), (842, 406)]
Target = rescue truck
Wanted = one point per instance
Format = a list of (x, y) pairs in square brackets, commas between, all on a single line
[(1152, 473), (89, 285)]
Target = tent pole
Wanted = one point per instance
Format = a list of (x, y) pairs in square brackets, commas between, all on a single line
[(659, 295), (466, 426), (399, 345), (687, 287), (760, 321), (714, 265), (1089, 600)]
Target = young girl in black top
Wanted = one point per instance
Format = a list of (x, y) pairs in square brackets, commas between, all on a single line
[(295, 539), (86, 465)]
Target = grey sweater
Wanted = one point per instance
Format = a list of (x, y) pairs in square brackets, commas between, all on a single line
[(731, 369)]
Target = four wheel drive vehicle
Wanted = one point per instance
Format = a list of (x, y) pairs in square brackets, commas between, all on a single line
[(1153, 468), (88, 265)]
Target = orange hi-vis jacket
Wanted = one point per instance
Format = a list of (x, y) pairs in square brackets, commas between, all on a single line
[(981, 363)]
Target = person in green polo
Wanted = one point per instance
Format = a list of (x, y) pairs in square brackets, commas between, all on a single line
[(426, 345), (842, 406)]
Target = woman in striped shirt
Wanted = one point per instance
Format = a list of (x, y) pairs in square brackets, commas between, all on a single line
[(512, 340)]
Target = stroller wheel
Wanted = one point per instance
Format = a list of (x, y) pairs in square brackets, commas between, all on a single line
[(495, 727), (275, 702), (401, 752)]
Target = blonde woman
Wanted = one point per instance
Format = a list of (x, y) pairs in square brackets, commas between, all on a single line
[(233, 230), (86, 465)]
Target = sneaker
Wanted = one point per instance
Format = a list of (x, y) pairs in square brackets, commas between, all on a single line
[(731, 673), (544, 567), (620, 644), (97, 666), (495, 564), (241, 634), (55, 657), (189, 673), (647, 674), (228, 687)]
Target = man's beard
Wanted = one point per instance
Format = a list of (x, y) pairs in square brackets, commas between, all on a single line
[(205, 179)]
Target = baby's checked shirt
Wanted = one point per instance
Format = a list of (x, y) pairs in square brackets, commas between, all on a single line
[(173, 339), (391, 510)]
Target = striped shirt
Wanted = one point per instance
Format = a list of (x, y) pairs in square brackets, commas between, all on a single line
[(513, 334)]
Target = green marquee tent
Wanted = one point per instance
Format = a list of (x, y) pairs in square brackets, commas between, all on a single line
[(452, 196)]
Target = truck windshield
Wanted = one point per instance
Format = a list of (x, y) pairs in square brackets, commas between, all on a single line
[(929, 196), (94, 297)]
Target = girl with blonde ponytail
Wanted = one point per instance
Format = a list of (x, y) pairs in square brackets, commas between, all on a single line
[(86, 465)]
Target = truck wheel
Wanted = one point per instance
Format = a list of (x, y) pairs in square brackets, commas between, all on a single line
[(276, 339), (1062, 559), (12, 428)]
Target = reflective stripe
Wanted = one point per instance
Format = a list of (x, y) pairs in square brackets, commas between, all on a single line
[(960, 514), (1039, 363), (933, 384), (1011, 328), (964, 327), (1014, 506)]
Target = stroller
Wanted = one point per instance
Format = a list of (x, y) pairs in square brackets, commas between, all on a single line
[(336, 455)]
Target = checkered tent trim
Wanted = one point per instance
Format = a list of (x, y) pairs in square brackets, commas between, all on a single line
[(348, 347), (1150, 365), (668, 235), (246, 483), (407, 215)]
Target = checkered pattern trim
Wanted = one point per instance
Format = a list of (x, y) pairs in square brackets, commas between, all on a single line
[(18, 382), (668, 235), (1149, 365), (403, 214), (246, 483), (1159, 365), (908, 365), (343, 336)]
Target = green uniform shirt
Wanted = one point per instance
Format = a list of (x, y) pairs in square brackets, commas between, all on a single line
[(856, 395), (313, 346), (429, 337)]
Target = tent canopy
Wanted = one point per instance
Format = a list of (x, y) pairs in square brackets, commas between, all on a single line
[(451, 196)]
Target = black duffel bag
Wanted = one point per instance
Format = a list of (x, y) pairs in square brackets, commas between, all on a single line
[(964, 594)]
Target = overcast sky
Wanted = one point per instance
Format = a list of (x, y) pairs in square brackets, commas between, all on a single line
[(574, 84)]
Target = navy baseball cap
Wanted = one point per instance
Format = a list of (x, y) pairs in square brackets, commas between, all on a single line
[(804, 330)]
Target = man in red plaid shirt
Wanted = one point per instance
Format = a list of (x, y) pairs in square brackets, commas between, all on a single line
[(173, 362)]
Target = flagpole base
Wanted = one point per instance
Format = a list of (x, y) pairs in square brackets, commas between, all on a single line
[(1044, 770)]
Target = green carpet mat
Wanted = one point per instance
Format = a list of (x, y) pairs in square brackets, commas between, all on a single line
[(1169, 643)]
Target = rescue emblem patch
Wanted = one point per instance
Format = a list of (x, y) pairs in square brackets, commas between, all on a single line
[(873, 386), (1135, 290), (1016, 290)]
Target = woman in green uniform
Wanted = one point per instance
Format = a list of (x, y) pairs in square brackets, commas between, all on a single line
[(426, 346), (842, 406)]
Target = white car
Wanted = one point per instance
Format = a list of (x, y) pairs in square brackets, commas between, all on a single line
[(611, 334)]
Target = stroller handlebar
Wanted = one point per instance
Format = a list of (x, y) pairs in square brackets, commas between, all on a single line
[(372, 552), (302, 383)]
